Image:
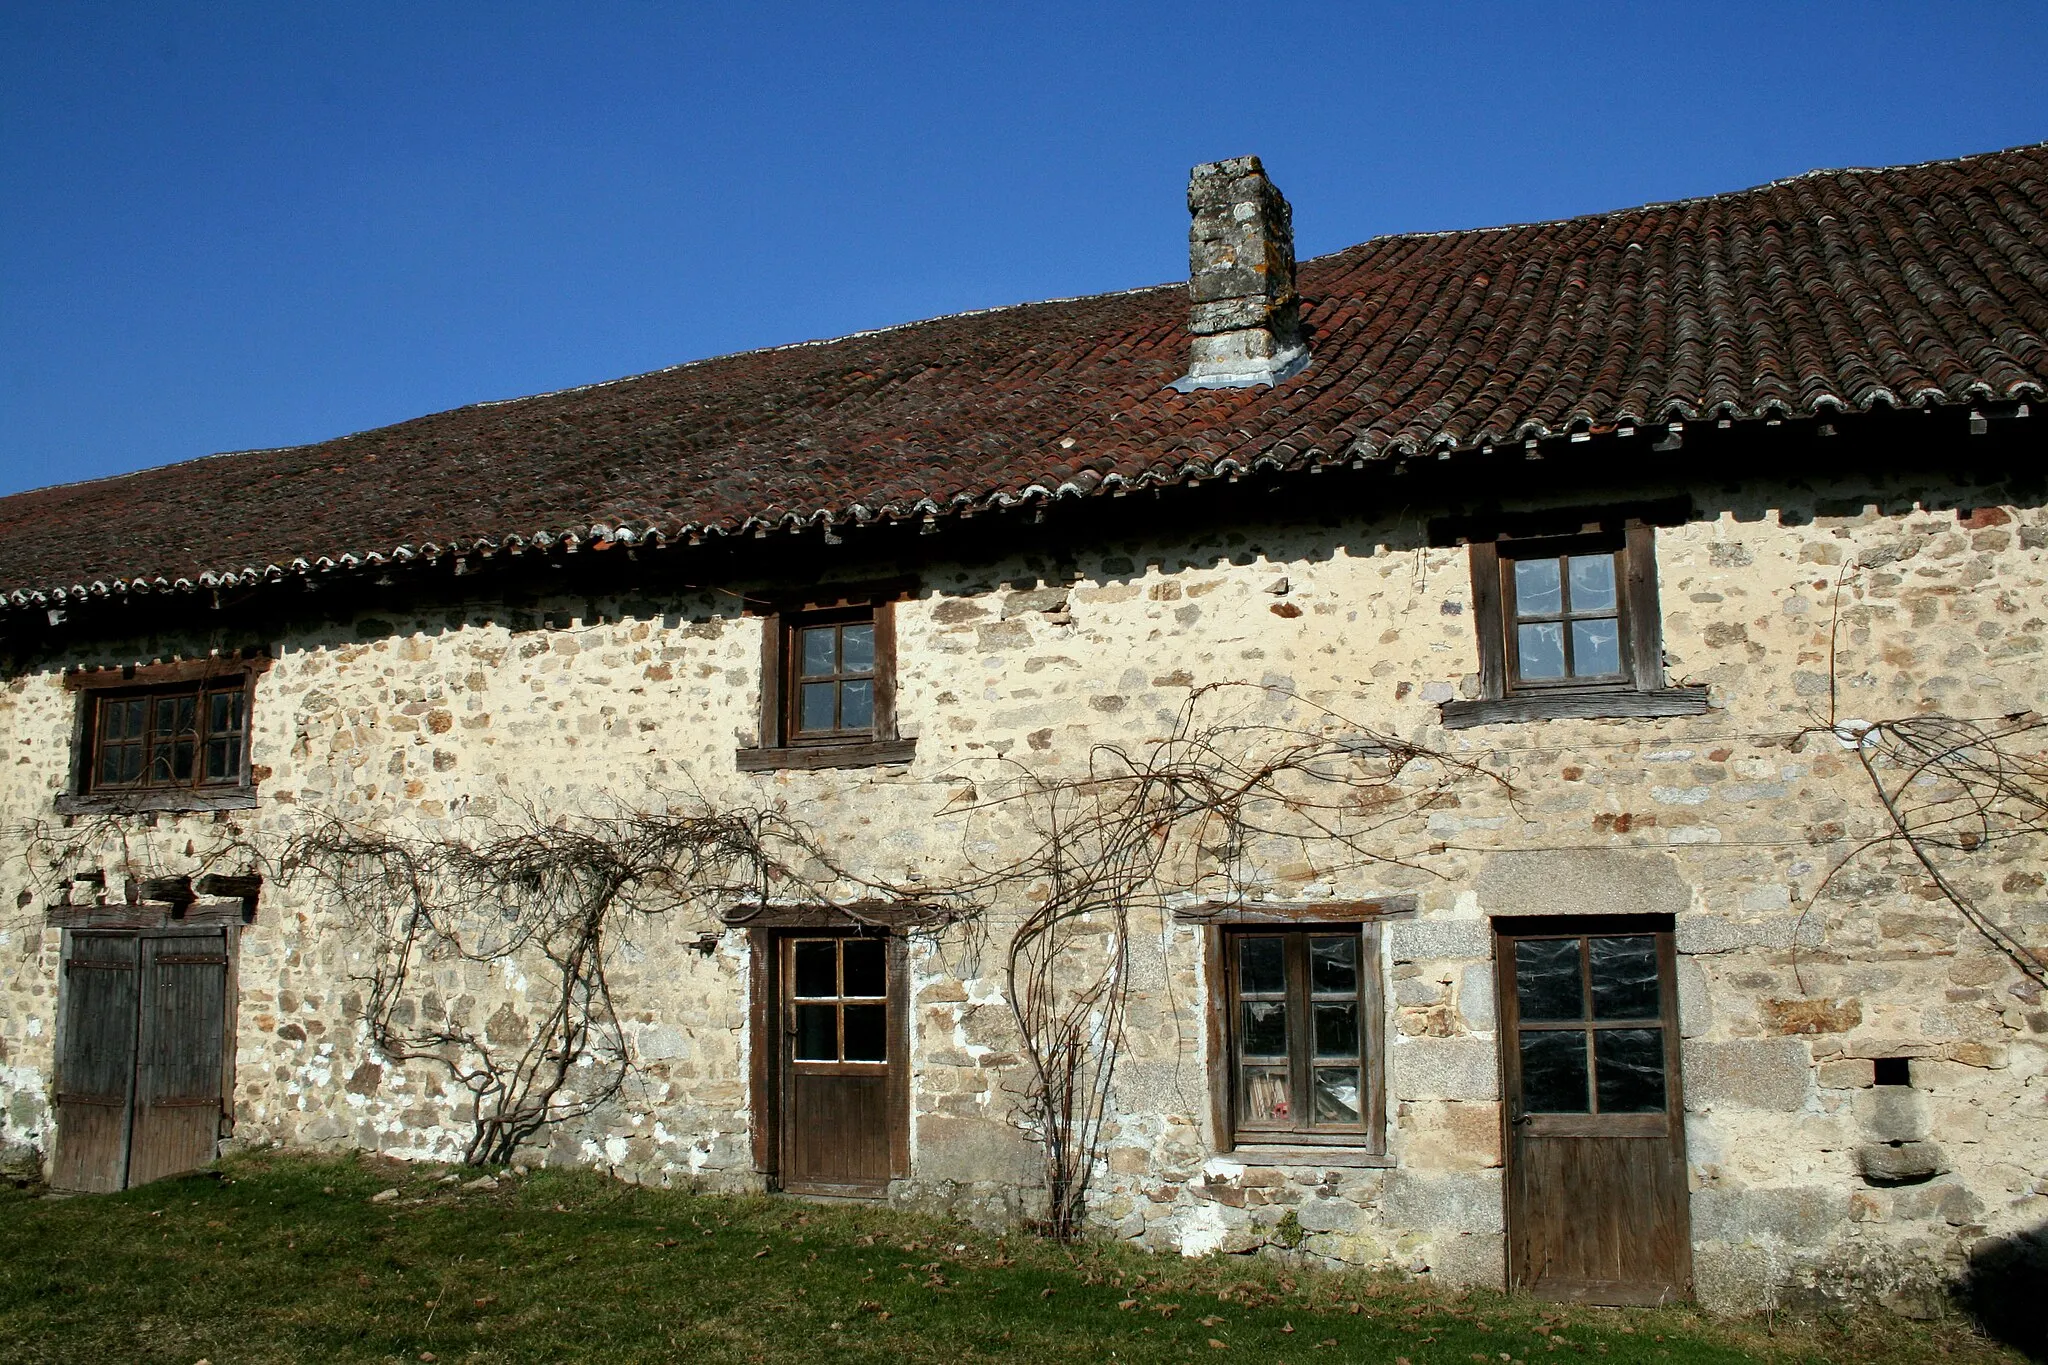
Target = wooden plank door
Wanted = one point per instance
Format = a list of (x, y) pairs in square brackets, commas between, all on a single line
[(1596, 1176), (844, 1099), (141, 1056), (95, 1060), (178, 1078)]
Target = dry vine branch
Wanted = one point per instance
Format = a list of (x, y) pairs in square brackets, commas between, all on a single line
[(1953, 788), (547, 899), (1181, 819), (1948, 787)]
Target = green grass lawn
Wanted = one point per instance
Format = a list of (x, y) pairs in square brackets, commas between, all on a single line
[(286, 1258)]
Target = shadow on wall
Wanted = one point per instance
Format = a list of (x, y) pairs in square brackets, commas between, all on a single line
[(2006, 1290)]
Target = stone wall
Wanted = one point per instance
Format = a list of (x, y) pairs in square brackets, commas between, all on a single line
[(452, 719)]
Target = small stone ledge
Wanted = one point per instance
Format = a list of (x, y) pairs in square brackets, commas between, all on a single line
[(1669, 701), (811, 757), (1316, 1158)]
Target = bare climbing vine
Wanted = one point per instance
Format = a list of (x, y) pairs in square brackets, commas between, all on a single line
[(548, 899), (1247, 777)]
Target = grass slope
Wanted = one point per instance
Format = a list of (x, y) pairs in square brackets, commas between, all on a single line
[(286, 1258)]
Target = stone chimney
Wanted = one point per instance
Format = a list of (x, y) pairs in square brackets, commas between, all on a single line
[(1245, 318)]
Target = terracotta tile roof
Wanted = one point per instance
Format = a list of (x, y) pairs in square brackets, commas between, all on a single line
[(1839, 290)]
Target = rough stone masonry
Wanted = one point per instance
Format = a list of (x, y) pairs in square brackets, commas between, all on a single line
[(1807, 1177)]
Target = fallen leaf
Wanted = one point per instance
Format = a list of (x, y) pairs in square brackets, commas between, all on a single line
[(1128, 1304), (1217, 1344), (1212, 1321), (759, 1254)]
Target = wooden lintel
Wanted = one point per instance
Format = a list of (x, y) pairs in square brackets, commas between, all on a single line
[(1296, 912), (889, 916)]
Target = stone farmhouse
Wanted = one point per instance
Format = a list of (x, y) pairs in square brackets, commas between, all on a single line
[(1662, 593)]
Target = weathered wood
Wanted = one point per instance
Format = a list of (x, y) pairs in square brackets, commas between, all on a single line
[(771, 689), (897, 1098), (1487, 619), (96, 1061), (178, 1099), (878, 915), (845, 1122), (764, 1031), (1295, 912), (1372, 1010), (812, 757), (164, 799), (1216, 1052), (222, 884), (145, 914), (1597, 1202), (176, 891), (1609, 705), (166, 673), (885, 672), (1643, 618)]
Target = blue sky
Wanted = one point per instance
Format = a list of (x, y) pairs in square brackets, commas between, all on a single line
[(229, 226)]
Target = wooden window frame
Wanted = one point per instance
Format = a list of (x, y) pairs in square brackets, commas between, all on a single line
[(97, 686), (1365, 1145), (1639, 692), (767, 998), (782, 746)]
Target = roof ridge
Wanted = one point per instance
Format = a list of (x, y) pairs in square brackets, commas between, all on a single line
[(1658, 205)]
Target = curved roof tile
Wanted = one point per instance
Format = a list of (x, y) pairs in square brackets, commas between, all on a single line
[(1833, 290)]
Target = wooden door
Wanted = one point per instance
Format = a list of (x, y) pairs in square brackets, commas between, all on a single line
[(1596, 1176), (178, 1089), (98, 1004), (142, 1050), (844, 1099)]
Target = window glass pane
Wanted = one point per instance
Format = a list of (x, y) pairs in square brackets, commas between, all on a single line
[(816, 713), (1547, 982), (1541, 650), (1592, 582), (1624, 977), (1333, 964), (817, 651), (131, 763), (1264, 1096), (1259, 966), (817, 1033), (223, 760), (1537, 587), (1265, 1028), (1554, 1071), (1596, 648), (224, 712), (856, 705), (1630, 1062), (1336, 1030), (857, 649), (1336, 1094), (181, 761), (188, 714), (166, 715), (159, 766), (114, 719), (866, 969), (817, 967), (867, 1033), (111, 762)]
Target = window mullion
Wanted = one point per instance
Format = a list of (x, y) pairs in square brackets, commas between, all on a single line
[(1301, 1044)]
